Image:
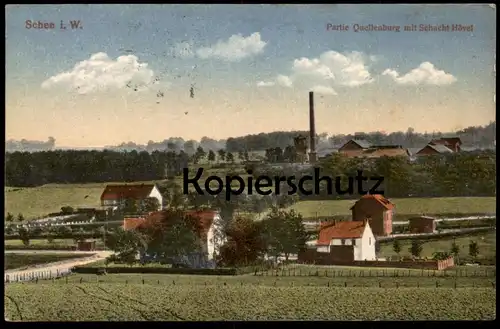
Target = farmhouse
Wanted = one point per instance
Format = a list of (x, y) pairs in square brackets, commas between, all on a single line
[(377, 208), (453, 143), (362, 149), (211, 235), (354, 147), (430, 149), (347, 241), (422, 224), (116, 195)]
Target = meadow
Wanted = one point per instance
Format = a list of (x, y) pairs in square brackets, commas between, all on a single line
[(407, 206), (21, 261), (486, 242), (49, 198), (197, 298)]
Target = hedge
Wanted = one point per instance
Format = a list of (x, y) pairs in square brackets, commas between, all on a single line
[(155, 270)]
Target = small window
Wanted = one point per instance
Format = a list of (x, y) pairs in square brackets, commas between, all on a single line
[(343, 242), (353, 242), (369, 241)]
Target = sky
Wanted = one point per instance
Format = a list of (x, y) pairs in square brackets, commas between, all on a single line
[(150, 72)]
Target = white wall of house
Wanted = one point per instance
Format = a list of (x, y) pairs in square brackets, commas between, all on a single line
[(155, 193), (214, 238), (365, 250), (364, 247)]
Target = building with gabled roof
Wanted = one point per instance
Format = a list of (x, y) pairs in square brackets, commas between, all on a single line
[(376, 208), (433, 149), (347, 240), (210, 234), (116, 195), (453, 143)]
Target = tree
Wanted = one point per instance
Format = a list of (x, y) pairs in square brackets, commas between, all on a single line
[(396, 246), (230, 157), (246, 156), (241, 155), (199, 154), (222, 155), (150, 204), (473, 249), (244, 243), (173, 235), (24, 235), (130, 206), (284, 232), (79, 235), (211, 156), (67, 210), (9, 218), (126, 244), (20, 218), (455, 250), (416, 248)]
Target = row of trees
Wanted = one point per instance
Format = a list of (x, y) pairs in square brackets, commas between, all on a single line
[(175, 236), (457, 174), (416, 248), (480, 136)]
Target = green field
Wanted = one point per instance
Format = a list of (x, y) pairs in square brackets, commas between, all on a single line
[(51, 197), (21, 261), (487, 245), (416, 206), (191, 298)]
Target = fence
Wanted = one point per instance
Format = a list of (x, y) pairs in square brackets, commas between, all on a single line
[(274, 282), (36, 275), (375, 273)]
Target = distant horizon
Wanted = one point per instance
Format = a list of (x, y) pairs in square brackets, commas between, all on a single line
[(140, 72), (225, 139)]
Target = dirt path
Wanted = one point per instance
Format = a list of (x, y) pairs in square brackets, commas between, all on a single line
[(58, 267)]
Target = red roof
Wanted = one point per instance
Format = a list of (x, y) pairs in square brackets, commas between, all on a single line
[(340, 230), (132, 223), (380, 199), (137, 191), (447, 141), (205, 218)]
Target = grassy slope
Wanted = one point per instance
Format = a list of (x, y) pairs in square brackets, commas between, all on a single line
[(125, 302), (464, 205), (17, 261), (486, 244), (51, 197)]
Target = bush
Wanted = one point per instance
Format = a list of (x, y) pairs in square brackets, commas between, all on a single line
[(155, 270)]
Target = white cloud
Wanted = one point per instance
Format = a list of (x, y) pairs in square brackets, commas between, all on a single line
[(284, 81), (323, 90), (265, 84), (235, 48), (103, 73), (347, 69), (280, 80), (426, 73), (183, 49)]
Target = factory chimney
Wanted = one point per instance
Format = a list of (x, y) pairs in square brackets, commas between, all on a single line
[(312, 130)]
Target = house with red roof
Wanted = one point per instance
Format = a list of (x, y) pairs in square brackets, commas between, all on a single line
[(376, 208), (115, 195), (211, 234), (347, 241)]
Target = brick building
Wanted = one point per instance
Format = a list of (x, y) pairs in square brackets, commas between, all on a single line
[(376, 208)]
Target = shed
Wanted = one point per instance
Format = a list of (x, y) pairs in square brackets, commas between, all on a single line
[(86, 245), (422, 224)]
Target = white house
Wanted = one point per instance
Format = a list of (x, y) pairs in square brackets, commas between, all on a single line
[(211, 236), (357, 234), (115, 195)]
